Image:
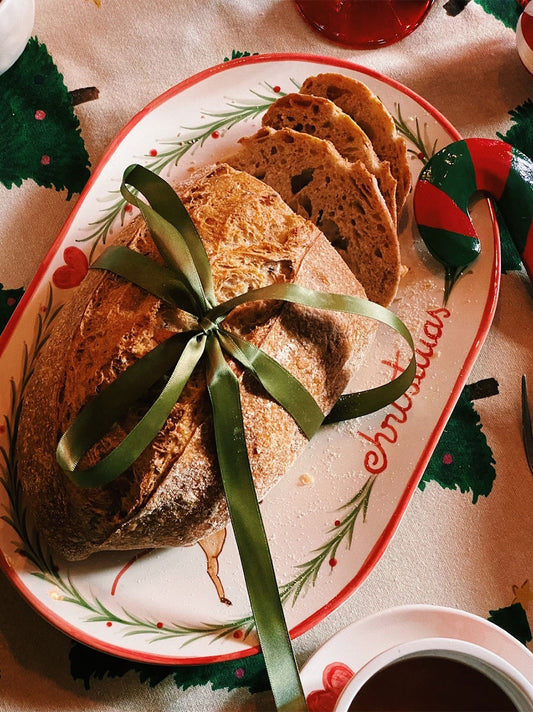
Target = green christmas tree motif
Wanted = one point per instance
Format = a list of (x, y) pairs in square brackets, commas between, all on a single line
[(87, 664), (235, 54), (9, 298), (462, 459), (520, 135), (513, 619), (40, 137), (506, 12)]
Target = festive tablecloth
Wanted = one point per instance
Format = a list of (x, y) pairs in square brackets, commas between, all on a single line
[(465, 540)]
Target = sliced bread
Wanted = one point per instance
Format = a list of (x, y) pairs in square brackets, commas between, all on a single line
[(320, 117), (341, 198), (367, 110)]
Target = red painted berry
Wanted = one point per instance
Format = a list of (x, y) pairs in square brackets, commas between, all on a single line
[(276, 89), (333, 562), (159, 625), (40, 114), (153, 152), (238, 634), (45, 160), (447, 459), (215, 134), (337, 522)]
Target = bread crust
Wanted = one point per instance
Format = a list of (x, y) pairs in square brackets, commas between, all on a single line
[(172, 495)]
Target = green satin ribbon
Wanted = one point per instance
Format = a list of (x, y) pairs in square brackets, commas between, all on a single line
[(185, 283)]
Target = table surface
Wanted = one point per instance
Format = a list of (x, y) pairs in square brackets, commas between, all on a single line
[(452, 548)]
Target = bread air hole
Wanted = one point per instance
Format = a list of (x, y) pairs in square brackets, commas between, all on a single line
[(306, 204), (301, 180), (334, 93), (331, 231)]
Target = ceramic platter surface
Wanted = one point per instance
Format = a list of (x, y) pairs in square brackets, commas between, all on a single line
[(326, 529)]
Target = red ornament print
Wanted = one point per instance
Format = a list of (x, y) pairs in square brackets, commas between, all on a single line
[(334, 679), (73, 271)]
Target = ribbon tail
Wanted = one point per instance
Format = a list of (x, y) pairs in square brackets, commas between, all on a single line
[(350, 405), (354, 405), (100, 414), (277, 381), (249, 532)]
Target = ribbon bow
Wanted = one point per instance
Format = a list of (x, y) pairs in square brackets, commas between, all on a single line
[(185, 282)]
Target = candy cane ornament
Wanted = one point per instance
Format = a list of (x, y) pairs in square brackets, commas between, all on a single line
[(444, 189)]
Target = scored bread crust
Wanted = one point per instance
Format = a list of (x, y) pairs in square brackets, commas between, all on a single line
[(367, 110), (341, 198), (320, 117), (173, 494)]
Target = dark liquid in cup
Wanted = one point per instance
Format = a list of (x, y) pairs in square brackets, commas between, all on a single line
[(430, 684)]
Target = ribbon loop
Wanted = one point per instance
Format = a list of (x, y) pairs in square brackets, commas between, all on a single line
[(144, 272)]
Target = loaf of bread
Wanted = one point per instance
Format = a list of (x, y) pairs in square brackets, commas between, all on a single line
[(341, 198), (320, 117), (367, 110), (173, 495)]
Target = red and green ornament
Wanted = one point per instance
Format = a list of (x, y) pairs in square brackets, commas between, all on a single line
[(443, 192)]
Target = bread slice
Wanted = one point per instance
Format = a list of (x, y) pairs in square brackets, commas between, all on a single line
[(173, 494), (320, 117), (341, 198), (366, 109)]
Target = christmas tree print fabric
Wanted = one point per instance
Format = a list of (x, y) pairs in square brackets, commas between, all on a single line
[(463, 461), (40, 138)]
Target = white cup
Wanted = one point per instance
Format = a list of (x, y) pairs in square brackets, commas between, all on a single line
[(16, 24), (495, 668)]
